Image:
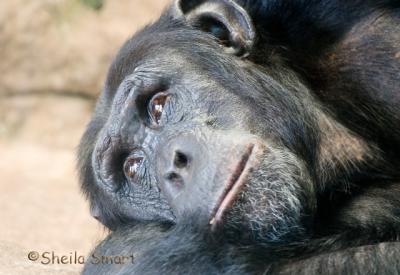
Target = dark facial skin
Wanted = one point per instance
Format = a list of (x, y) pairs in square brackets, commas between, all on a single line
[(199, 123), (204, 126), (251, 137)]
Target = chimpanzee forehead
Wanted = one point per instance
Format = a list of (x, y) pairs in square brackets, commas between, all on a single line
[(165, 50)]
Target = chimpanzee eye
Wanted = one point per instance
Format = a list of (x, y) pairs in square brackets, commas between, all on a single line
[(132, 166), (156, 107)]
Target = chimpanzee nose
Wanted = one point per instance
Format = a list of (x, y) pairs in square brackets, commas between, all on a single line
[(178, 169), (176, 165)]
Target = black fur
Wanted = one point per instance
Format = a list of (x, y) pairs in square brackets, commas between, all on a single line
[(317, 85), (189, 249)]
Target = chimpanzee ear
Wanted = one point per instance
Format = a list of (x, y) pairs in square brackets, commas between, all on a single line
[(224, 19)]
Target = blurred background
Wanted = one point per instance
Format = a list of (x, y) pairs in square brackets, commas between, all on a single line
[(54, 56)]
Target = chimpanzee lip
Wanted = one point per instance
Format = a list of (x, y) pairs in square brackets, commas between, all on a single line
[(233, 186)]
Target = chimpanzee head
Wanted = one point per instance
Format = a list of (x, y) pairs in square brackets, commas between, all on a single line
[(188, 124)]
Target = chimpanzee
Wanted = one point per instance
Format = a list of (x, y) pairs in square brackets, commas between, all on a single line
[(186, 249), (252, 136)]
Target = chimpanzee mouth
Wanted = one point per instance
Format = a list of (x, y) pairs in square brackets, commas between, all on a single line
[(234, 185)]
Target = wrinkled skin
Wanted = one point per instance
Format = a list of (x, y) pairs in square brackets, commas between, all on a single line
[(280, 136), (198, 120)]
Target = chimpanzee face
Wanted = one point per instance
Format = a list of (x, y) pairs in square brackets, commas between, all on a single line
[(185, 126)]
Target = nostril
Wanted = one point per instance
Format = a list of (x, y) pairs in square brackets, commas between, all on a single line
[(180, 160), (174, 178)]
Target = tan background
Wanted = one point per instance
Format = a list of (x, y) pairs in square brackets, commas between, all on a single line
[(54, 56)]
